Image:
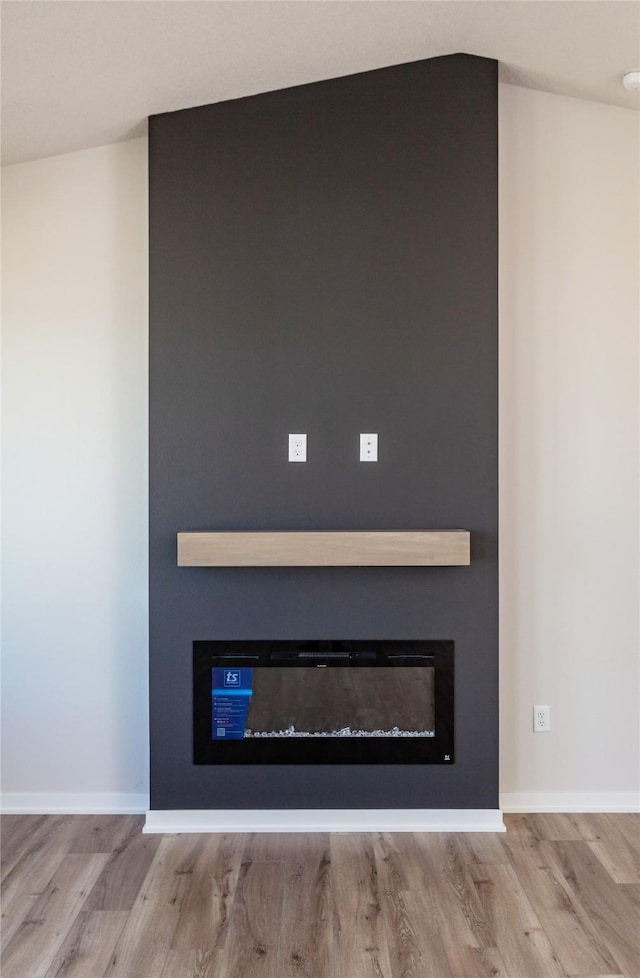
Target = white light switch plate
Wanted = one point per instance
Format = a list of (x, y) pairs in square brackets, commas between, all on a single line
[(369, 447)]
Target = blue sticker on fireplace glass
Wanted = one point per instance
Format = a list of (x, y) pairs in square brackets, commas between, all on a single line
[(231, 691)]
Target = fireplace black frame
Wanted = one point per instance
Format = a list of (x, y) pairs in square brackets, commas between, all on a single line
[(437, 654)]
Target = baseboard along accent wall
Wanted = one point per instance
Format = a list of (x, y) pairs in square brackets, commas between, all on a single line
[(327, 820), (321, 820)]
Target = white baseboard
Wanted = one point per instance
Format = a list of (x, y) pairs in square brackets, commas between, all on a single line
[(282, 820), (319, 820), (63, 803), (595, 801), (327, 820)]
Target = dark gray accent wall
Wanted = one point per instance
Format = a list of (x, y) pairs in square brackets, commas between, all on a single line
[(323, 259)]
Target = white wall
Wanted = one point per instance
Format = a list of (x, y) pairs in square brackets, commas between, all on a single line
[(75, 462), (569, 317), (74, 310)]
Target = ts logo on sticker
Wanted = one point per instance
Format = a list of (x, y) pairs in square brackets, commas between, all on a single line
[(231, 677)]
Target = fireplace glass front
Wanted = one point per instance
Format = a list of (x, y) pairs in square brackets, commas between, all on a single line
[(326, 702)]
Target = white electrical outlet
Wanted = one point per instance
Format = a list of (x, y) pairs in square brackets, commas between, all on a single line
[(369, 447), (297, 448), (541, 719)]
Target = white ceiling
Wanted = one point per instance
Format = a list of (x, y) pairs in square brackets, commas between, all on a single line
[(80, 73)]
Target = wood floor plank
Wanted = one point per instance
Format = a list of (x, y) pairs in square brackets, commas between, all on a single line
[(179, 963), (613, 913), (18, 832), (450, 886), (522, 833), (610, 844), (31, 865), (88, 946), (306, 937), (204, 914), (482, 847), (360, 940), (407, 943), (148, 932), (190, 963), (585, 825), (415, 947), (555, 827), (628, 824), (13, 913), (119, 882), (251, 946), (619, 860), (516, 929), (398, 876), (15, 826), (36, 942), (397, 854), (476, 962), (631, 893), (104, 833), (568, 928)]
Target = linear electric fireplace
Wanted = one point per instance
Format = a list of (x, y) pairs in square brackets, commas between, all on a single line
[(331, 702)]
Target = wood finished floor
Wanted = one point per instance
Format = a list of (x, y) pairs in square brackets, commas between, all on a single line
[(90, 896)]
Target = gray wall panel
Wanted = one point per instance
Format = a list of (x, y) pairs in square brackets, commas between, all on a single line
[(324, 259)]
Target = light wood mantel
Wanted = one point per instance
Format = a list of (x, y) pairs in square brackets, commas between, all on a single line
[(386, 548)]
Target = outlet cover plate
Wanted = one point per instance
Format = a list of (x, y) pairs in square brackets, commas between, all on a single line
[(541, 719), (369, 447), (297, 448)]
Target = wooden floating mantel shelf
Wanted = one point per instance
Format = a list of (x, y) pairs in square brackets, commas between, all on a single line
[(387, 548)]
